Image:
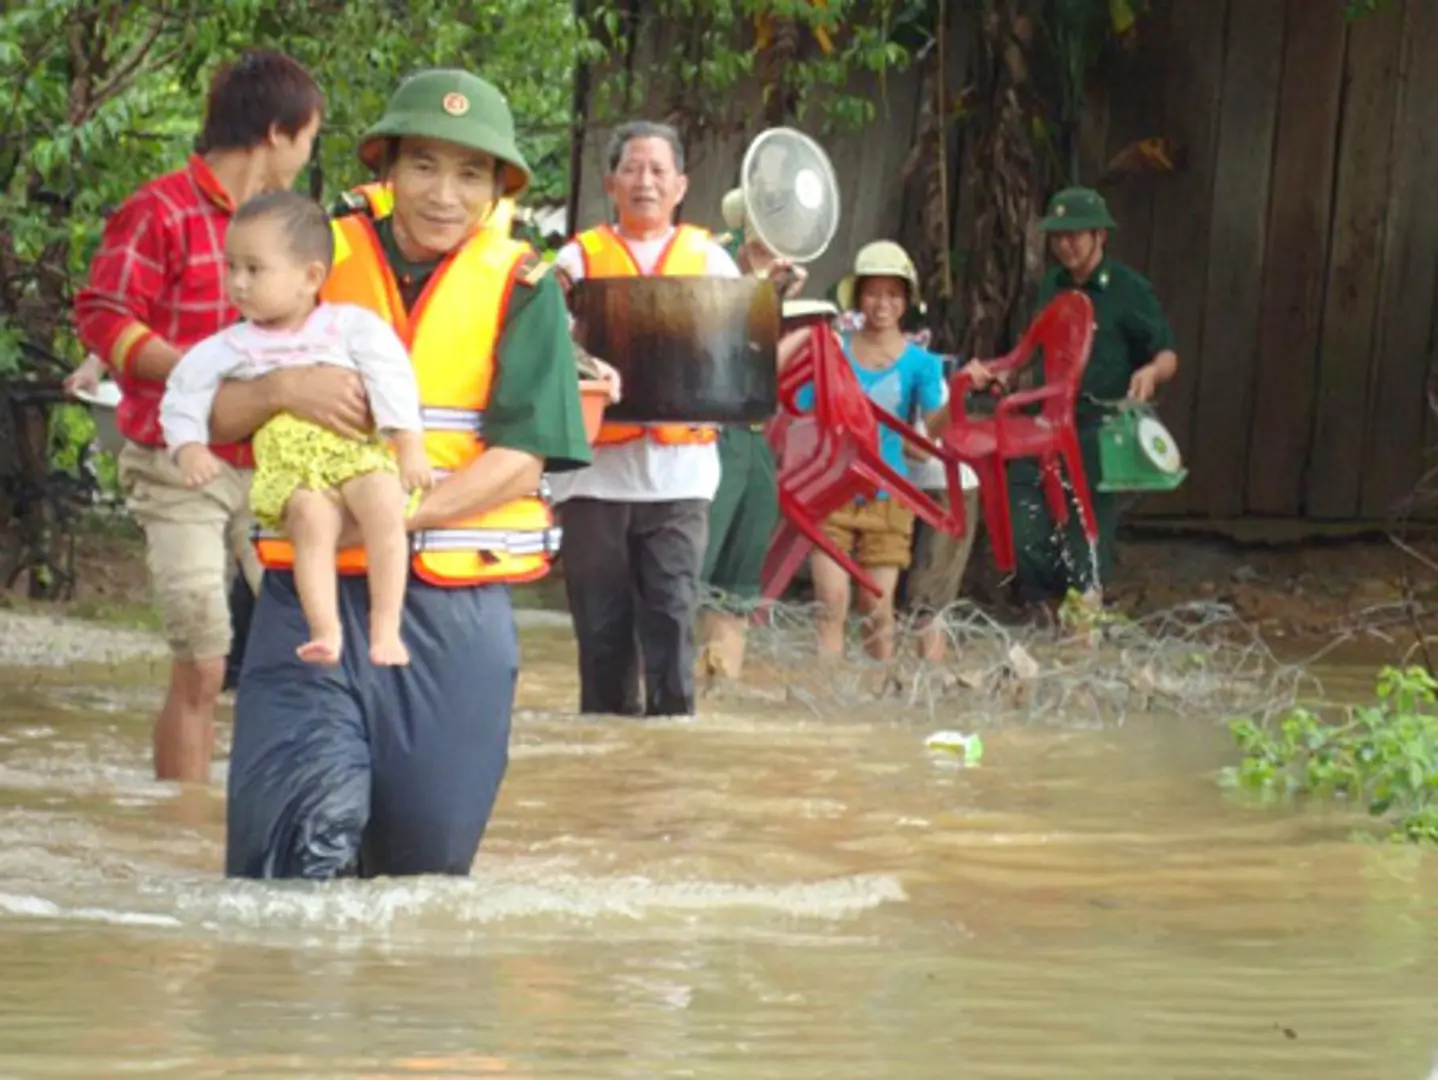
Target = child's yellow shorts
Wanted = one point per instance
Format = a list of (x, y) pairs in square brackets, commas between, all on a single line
[(291, 453)]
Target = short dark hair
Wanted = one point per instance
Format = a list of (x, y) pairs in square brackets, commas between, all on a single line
[(264, 88), (305, 223), (624, 134)]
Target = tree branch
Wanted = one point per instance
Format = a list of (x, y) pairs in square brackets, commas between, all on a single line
[(122, 73), (37, 56)]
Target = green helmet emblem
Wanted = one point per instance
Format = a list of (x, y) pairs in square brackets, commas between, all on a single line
[(454, 107), (1077, 209)]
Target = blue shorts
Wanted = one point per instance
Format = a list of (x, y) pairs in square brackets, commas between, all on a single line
[(363, 770)]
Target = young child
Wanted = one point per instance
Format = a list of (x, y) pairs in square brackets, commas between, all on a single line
[(904, 379), (308, 480)]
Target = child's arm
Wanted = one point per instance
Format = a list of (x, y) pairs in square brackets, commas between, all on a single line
[(414, 467), (389, 380), (185, 408)]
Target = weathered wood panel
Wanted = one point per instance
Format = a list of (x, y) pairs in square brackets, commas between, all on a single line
[(918, 220), (1398, 410), (1355, 270), (1247, 121), (1183, 212), (1295, 258), (1295, 250), (1136, 112), (870, 165), (1426, 505)]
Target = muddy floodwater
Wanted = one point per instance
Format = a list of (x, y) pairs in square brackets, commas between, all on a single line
[(758, 893)]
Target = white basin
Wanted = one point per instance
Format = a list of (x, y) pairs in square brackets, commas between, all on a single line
[(103, 401)]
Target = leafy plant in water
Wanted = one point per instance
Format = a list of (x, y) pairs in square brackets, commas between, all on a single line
[(1080, 614), (1382, 757)]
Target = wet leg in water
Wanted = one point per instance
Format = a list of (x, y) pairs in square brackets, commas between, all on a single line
[(878, 612), (831, 590)]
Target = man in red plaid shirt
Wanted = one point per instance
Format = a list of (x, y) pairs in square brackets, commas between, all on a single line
[(156, 288)]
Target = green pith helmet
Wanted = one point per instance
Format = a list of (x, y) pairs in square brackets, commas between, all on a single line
[(456, 107), (1077, 209)]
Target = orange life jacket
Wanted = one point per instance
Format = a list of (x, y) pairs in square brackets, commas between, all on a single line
[(459, 314), (379, 195), (606, 255)]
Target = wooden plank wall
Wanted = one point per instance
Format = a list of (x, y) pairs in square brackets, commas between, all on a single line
[(1183, 208), (1295, 250), (1304, 232), (1247, 122), (1355, 266), (1398, 415), (1295, 260)]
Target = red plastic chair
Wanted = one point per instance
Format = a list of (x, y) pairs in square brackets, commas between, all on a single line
[(832, 457), (1064, 331), (815, 455)]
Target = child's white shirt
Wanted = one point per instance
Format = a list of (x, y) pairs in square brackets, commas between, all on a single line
[(341, 335)]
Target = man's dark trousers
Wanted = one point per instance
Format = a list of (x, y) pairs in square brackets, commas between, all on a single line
[(631, 570)]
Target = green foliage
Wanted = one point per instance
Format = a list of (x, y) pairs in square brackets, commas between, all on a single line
[(105, 95), (1356, 9), (707, 54), (102, 95), (877, 38), (525, 47), (1382, 757)]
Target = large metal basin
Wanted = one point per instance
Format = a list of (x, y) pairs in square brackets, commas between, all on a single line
[(689, 349)]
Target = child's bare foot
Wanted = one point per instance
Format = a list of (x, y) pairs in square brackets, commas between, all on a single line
[(322, 649), (388, 651)]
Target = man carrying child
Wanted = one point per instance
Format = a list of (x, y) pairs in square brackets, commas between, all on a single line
[(391, 770)]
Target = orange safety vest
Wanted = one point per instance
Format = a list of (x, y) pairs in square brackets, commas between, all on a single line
[(606, 255), (459, 314), (380, 196)]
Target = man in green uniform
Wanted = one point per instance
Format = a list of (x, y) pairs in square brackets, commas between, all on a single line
[(394, 771), (1133, 354)]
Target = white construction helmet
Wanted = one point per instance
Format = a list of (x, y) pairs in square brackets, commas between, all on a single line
[(732, 210), (882, 258)]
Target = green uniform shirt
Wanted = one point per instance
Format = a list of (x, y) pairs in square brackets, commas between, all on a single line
[(534, 402), (1131, 328)]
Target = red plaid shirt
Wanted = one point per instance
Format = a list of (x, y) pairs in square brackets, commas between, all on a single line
[(160, 272)]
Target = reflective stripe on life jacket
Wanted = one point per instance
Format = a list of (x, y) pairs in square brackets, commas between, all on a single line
[(606, 255), (459, 314)]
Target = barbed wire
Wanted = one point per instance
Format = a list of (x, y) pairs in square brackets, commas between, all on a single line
[(1194, 659)]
